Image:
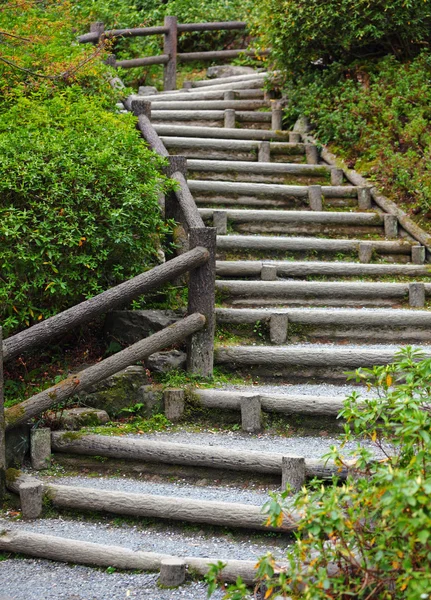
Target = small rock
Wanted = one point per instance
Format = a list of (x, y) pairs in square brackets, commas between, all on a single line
[(131, 326), (163, 362), (75, 418), (147, 90), (228, 71)]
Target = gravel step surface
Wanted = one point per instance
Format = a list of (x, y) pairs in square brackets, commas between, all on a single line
[(306, 389)]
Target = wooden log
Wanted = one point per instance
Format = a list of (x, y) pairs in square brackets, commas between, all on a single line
[(224, 514), (268, 273), (157, 104), (88, 553), (225, 133), (251, 417), (304, 244), (391, 226), (302, 269), (276, 118), (313, 289), (293, 473), (264, 152), (170, 48), (93, 37), (418, 255), (20, 413), (234, 80), (295, 138), (260, 189), (2, 424), (313, 355), (417, 295), (205, 94), (229, 95), (187, 203), (117, 296), (183, 454), (279, 323), (208, 115), (227, 166), (151, 136), (172, 572), (229, 120), (132, 63), (365, 252), (312, 154), (337, 176), (246, 145), (31, 497), (285, 404), (220, 54), (298, 216), (315, 197), (40, 449), (200, 351), (364, 198), (213, 26), (219, 221), (174, 402)]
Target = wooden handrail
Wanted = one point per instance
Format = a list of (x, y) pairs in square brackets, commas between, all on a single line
[(116, 296)]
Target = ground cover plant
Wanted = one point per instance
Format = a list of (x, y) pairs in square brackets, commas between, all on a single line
[(368, 537)]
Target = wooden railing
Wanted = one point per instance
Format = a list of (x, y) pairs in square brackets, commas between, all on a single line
[(198, 261), (170, 56)]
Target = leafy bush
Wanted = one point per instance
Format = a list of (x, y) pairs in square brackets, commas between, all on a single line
[(79, 209), (369, 538), (305, 32), (378, 116)]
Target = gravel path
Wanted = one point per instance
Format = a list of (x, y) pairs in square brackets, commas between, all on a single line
[(301, 389), (37, 579), (178, 489)]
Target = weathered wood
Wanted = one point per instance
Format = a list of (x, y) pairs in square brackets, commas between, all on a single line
[(303, 244), (40, 449), (229, 120), (209, 115), (418, 255), (364, 198), (295, 138), (2, 424), (37, 404), (239, 166), (151, 136), (315, 197), (312, 154), (261, 189), (417, 295), (174, 402), (186, 202), (298, 216), (312, 355), (229, 95), (132, 63), (200, 353), (220, 221), (205, 94), (278, 325), (232, 80), (88, 553), (293, 473), (213, 26), (285, 404), (268, 273), (302, 269), (113, 33), (313, 289), (157, 104), (220, 54), (251, 417), (31, 497), (264, 153), (337, 176), (224, 133), (119, 295), (391, 226), (172, 572), (365, 252), (276, 118), (170, 49), (183, 454)]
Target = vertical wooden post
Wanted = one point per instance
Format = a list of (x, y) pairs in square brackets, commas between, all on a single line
[(173, 211), (2, 426), (170, 48), (200, 351), (99, 28)]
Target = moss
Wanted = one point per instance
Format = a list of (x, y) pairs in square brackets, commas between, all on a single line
[(12, 475), (14, 415), (72, 436)]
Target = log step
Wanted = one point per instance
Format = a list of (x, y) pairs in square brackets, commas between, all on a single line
[(209, 115), (158, 105), (222, 133), (306, 244), (217, 457), (316, 325), (301, 269), (319, 293), (287, 148), (202, 94), (269, 190), (296, 216), (235, 79)]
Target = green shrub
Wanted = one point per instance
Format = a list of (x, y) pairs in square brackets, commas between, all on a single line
[(79, 210), (302, 33), (370, 537), (377, 115)]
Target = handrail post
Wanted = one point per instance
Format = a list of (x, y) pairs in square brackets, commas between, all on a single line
[(172, 209), (99, 28), (170, 48), (200, 350), (2, 425)]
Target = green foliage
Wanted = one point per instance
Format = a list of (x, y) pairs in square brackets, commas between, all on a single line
[(378, 116), (369, 537), (316, 32), (134, 425), (79, 207)]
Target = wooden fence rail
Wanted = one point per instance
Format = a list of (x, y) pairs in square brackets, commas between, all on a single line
[(170, 56)]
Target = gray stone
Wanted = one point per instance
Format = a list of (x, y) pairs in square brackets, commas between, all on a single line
[(31, 496), (147, 90), (417, 295), (118, 391), (174, 401), (130, 326), (228, 71), (75, 418), (17, 445), (40, 448), (163, 362), (151, 396)]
